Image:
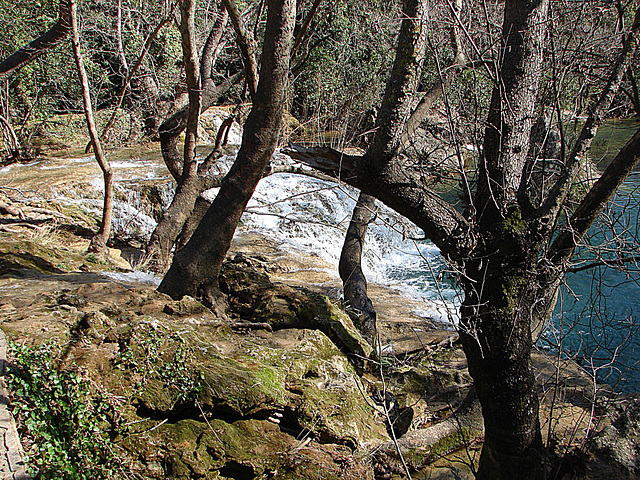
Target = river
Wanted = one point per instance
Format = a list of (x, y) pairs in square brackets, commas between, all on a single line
[(595, 321)]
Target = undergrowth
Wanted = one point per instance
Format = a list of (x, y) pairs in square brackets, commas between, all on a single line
[(60, 424)]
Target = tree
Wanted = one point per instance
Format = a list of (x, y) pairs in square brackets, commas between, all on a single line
[(195, 268), (192, 178), (511, 239), (99, 241), (66, 23), (188, 206)]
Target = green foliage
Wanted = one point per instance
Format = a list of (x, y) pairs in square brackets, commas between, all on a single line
[(342, 76), (49, 84), (58, 418)]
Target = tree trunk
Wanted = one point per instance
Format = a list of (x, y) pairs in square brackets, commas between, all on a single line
[(197, 214), (195, 268), (247, 45), (99, 242), (172, 222), (191, 180), (500, 290), (354, 283), (181, 211), (495, 329)]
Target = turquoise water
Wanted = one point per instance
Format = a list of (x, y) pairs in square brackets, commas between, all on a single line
[(596, 320)]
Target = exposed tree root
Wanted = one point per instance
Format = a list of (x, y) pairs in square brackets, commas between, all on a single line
[(421, 447)]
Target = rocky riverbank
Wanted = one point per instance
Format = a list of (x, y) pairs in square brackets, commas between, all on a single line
[(111, 376)]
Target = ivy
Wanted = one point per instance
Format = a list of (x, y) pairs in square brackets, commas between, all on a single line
[(60, 423)]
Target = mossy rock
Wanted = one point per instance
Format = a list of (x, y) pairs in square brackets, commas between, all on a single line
[(191, 399), (253, 296), (26, 255)]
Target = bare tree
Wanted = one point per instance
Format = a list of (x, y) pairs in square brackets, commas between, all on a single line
[(98, 242), (192, 178)]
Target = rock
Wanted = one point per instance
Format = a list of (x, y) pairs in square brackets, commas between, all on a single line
[(66, 297), (185, 307), (619, 442), (200, 397), (253, 296)]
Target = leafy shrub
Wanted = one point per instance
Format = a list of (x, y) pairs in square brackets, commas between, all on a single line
[(59, 422)]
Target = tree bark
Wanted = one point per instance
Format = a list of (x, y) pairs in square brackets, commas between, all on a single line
[(196, 267), (495, 329), (354, 283), (99, 242), (189, 182), (510, 119)]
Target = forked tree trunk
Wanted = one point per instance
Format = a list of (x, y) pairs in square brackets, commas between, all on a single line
[(191, 179), (354, 283), (181, 213), (195, 268), (98, 242)]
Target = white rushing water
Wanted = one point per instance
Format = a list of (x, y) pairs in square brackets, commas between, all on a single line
[(313, 215), (304, 213)]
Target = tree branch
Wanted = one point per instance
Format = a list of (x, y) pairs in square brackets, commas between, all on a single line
[(305, 26), (614, 262), (133, 71), (401, 188), (595, 200), (49, 39), (191, 64), (210, 48), (508, 130), (429, 97), (247, 46), (398, 95), (558, 193)]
